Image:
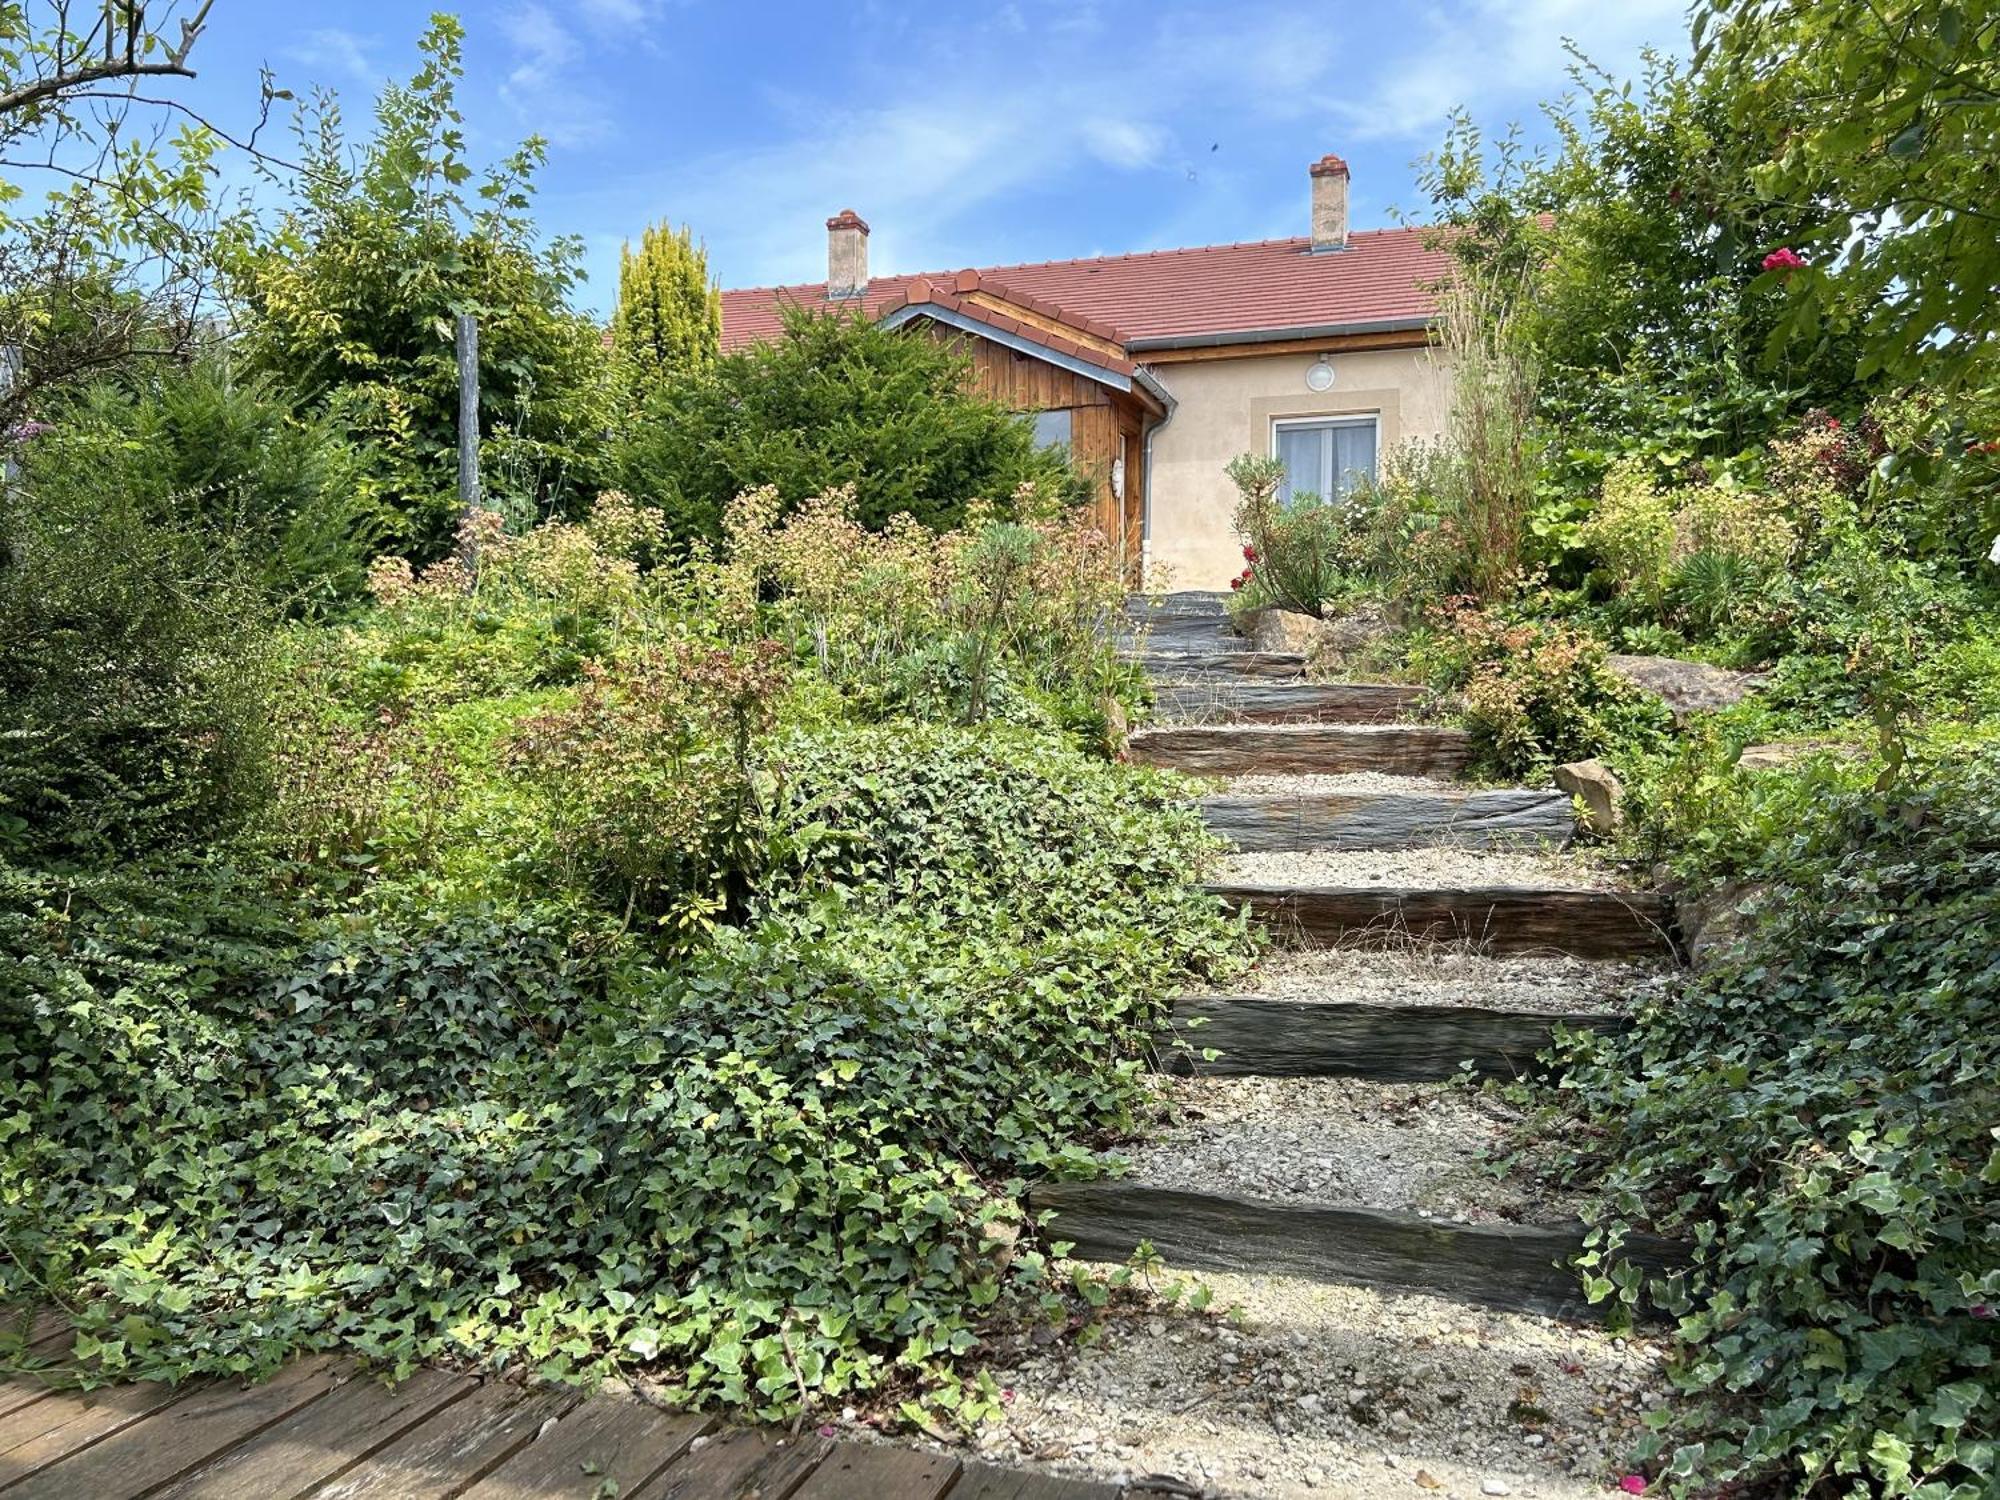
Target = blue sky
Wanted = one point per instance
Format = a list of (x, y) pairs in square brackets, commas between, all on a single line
[(964, 135)]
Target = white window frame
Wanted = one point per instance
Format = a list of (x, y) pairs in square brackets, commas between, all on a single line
[(1342, 419)]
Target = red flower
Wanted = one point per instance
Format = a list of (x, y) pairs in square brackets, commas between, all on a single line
[(1991, 445), (1250, 554), (1236, 583), (1784, 258)]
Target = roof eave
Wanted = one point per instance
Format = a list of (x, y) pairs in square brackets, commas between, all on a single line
[(1118, 380), (1280, 335)]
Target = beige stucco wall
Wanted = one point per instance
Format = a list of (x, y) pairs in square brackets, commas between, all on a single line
[(1225, 407)]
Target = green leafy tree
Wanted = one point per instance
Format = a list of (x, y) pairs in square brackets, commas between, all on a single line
[(835, 401), (353, 301), (1874, 130), (669, 317), (1630, 261), (114, 261)]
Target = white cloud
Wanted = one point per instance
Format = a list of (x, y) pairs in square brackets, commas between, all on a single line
[(1496, 50), (336, 51), (544, 86), (1124, 143), (945, 124)]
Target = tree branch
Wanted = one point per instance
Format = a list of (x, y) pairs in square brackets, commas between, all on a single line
[(56, 83)]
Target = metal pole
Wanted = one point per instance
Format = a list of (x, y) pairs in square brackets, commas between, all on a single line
[(468, 412), (10, 374)]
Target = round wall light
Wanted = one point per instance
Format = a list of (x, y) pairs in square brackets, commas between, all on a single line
[(1319, 375)]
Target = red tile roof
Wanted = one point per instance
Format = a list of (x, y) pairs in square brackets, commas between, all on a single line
[(953, 295), (1162, 296)]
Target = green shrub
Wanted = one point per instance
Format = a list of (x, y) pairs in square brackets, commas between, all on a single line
[(1534, 691), (133, 677), (1303, 553), (779, 1170), (280, 490), (835, 401), (1816, 1119)]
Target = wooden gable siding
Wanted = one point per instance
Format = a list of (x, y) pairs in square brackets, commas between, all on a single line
[(1104, 425)]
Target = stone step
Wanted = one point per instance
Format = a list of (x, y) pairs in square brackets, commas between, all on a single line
[(1307, 749), (1226, 701), (1182, 633), (1426, 815), (1519, 1267), (1501, 919), (1209, 603), (1201, 666), (1266, 1037)]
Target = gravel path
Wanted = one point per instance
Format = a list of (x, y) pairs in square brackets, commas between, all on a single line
[(1417, 1147), (1332, 1391), (1428, 868), (1353, 784), (1416, 975)]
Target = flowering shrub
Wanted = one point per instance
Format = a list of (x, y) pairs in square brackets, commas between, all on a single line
[(903, 619), (1303, 554), (646, 776), (1533, 690)]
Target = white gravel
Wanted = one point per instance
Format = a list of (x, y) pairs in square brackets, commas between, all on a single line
[(1434, 868), (1328, 1391), (1354, 783), (1416, 1147), (1437, 974)]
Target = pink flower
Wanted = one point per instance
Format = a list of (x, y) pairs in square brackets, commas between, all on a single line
[(1981, 1310), (826, 1429), (1007, 1394), (1784, 258), (1633, 1484)]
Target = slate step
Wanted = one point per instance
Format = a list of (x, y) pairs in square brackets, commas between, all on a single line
[(1201, 666), (1189, 633), (1259, 1036), (1208, 603), (1226, 701), (1493, 919), (1328, 749), (1422, 817), (1520, 1268)]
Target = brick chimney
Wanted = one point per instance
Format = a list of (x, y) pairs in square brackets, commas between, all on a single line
[(846, 255), (1329, 209)]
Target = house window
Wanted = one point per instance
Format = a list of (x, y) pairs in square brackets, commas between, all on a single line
[(1324, 456), (1052, 428)]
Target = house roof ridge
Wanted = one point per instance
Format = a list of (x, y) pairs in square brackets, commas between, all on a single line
[(936, 274)]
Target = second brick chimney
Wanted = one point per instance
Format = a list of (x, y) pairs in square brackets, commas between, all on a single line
[(846, 255), (1329, 204)]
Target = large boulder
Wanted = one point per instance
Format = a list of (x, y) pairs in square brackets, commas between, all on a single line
[(1776, 757), (1686, 687), (1714, 926), (1602, 794), (1276, 629), (1352, 633)]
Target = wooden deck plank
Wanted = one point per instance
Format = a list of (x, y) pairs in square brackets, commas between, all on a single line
[(181, 1438), (67, 1421), (991, 1482), (453, 1448), (866, 1471), (323, 1440), (745, 1464), (610, 1439)]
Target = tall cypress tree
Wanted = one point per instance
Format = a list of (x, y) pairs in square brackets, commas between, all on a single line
[(669, 318)]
